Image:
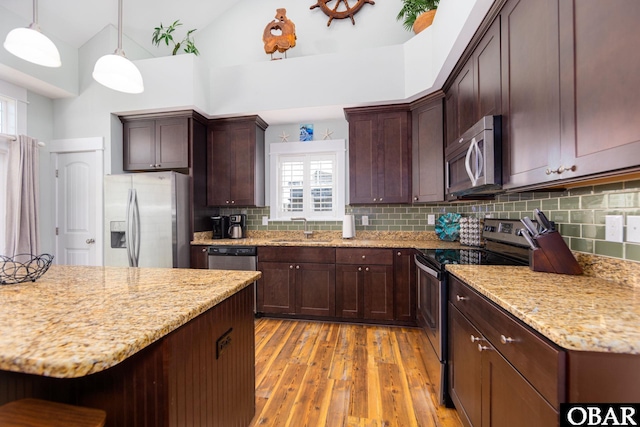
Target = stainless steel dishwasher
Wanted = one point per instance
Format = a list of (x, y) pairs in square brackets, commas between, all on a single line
[(234, 258)]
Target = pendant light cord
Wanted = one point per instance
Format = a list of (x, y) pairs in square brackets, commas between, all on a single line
[(120, 26), (35, 12)]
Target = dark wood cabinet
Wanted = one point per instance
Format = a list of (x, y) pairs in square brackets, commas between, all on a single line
[(364, 283), (598, 88), (236, 162), (304, 284), (427, 149), (530, 90), (156, 144), (404, 286), (199, 256), (500, 372), (379, 154)]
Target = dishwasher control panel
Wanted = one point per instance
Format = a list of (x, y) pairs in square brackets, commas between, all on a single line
[(232, 250)]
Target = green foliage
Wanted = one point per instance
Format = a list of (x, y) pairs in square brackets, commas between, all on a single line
[(165, 34), (412, 8)]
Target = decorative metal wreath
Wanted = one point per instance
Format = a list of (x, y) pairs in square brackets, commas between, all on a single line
[(347, 12)]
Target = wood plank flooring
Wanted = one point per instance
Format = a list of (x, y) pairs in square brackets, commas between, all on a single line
[(330, 374)]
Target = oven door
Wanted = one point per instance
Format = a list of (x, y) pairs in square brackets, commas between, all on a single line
[(431, 297)]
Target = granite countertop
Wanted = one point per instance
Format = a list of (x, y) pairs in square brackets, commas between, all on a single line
[(576, 312), (417, 240), (75, 321)]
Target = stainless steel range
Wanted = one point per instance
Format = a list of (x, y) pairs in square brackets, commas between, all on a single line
[(505, 245)]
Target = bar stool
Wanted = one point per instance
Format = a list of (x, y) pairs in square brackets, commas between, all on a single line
[(43, 413)]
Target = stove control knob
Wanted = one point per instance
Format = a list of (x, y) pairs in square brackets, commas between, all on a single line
[(490, 228)]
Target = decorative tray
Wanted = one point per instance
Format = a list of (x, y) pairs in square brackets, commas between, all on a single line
[(23, 268)]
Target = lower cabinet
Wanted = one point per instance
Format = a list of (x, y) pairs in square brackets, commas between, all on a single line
[(404, 286), (304, 284), (364, 283), (500, 373), (199, 256)]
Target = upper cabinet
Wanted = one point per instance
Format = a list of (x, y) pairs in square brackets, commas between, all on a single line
[(427, 149), (156, 144), (530, 90), (379, 154), (476, 90), (235, 157)]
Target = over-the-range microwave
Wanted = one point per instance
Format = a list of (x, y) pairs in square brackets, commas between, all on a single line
[(473, 167)]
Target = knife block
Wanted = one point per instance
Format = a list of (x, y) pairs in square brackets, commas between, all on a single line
[(553, 256)]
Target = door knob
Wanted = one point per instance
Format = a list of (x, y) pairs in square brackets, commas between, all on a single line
[(90, 241)]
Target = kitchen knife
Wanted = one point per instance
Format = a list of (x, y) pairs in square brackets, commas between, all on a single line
[(529, 225), (543, 221), (527, 236)]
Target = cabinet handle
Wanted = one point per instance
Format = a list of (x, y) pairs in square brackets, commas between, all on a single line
[(151, 166), (227, 202), (291, 267), (297, 267), (459, 298), (204, 250), (476, 339), (375, 200), (359, 268), (461, 141), (380, 199), (415, 199), (483, 347), (233, 202), (561, 169), (364, 256), (366, 269), (506, 340), (399, 253)]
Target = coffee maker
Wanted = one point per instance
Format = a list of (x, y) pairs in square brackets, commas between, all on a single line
[(237, 226), (220, 227)]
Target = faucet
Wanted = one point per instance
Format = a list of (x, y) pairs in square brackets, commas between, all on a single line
[(307, 233)]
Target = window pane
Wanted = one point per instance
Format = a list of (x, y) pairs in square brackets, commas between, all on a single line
[(291, 185), (322, 185)]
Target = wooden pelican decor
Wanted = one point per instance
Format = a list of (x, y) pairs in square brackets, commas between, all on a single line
[(279, 34)]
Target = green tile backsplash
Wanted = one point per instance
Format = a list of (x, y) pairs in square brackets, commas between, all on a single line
[(579, 214)]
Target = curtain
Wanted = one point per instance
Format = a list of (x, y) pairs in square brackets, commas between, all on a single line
[(22, 236)]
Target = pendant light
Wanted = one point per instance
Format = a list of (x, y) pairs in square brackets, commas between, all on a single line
[(115, 71), (31, 45)]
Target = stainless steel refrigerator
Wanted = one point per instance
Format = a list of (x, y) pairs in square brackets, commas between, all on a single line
[(146, 220)]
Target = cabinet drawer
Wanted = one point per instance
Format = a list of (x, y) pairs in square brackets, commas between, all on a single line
[(538, 360), (362, 256), (296, 254)]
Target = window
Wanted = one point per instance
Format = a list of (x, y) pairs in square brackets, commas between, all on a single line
[(307, 179)]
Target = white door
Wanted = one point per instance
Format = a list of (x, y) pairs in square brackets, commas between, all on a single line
[(77, 233)]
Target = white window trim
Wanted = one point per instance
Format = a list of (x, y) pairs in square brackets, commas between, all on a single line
[(333, 146)]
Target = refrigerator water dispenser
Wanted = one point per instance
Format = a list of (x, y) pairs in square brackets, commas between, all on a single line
[(118, 236)]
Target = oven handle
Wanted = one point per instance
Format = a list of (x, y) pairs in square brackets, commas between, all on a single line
[(426, 269)]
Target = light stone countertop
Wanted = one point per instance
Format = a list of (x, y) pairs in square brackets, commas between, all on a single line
[(75, 321), (576, 312)]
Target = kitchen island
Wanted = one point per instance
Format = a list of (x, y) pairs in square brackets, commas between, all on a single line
[(160, 347)]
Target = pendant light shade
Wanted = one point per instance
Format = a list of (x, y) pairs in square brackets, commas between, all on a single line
[(115, 71), (31, 45)]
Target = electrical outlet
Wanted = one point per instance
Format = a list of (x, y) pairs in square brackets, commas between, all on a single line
[(431, 219), (265, 220), (614, 228), (365, 220), (633, 229)]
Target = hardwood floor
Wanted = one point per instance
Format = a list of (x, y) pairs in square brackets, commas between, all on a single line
[(330, 374)]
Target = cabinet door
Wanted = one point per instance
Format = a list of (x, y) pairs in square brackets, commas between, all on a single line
[(349, 292), (466, 102), (530, 90), (242, 149), (508, 399), (486, 60), (316, 289), (199, 256), (404, 284), (394, 168), (139, 145), (451, 117), (219, 167), (600, 78), (427, 147), (276, 288), (172, 143), (378, 292), (465, 368), (363, 159)]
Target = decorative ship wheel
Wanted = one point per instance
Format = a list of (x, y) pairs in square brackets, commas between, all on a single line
[(346, 12)]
